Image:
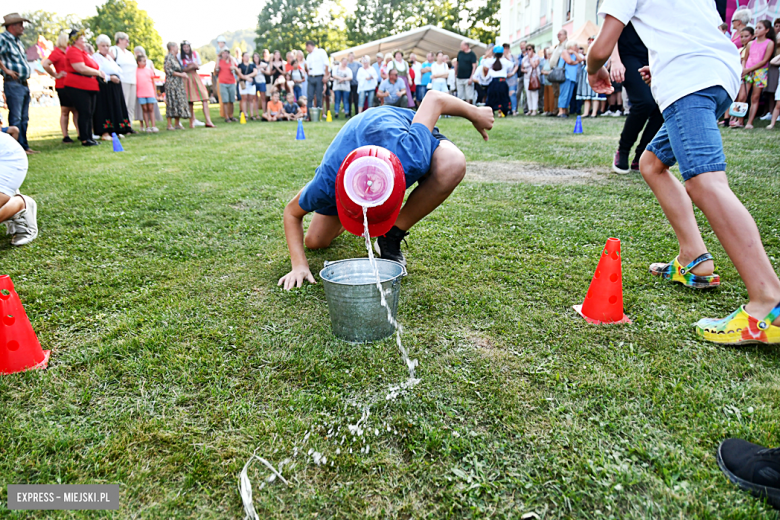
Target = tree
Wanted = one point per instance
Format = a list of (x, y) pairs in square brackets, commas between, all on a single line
[(207, 53), (287, 24), (49, 25), (125, 16), (485, 22)]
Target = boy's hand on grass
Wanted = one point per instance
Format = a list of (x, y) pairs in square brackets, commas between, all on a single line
[(600, 82), (483, 121), (295, 278)]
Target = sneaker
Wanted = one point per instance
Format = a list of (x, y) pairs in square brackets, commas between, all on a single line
[(198, 123), (90, 143), (752, 467), (766, 117), (154, 130), (388, 246), (607, 113), (67, 140), (616, 113), (10, 226), (620, 165), (635, 164), (25, 223)]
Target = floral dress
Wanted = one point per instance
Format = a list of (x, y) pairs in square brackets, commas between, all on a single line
[(176, 102)]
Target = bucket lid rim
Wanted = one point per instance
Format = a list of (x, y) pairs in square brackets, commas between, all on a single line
[(402, 274)]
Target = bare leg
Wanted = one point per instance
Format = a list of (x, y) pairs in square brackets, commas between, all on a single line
[(755, 98), (230, 110), (10, 206), (738, 233), (322, 230), (207, 113), (192, 114), (448, 167), (586, 108), (775, 113), (170, 124), (677, 207), (64, 120)]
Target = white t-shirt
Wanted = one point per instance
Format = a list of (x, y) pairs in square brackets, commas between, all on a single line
[(126, 61), (367, 79), (13, 165), (503, 72), (417, 67), (439, 68), (342, 74), (684, 57), (316, 61)]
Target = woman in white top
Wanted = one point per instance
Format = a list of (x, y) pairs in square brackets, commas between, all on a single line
[(367, 80), (342, 76), (439, 73), (126, 61), (497, 69), (481, 82), (110, 114)]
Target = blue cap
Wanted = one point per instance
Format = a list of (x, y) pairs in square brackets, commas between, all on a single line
[(498, 49)]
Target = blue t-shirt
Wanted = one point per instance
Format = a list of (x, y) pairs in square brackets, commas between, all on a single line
[(426, 77), (392, 89), (386, 126), (570, 70)]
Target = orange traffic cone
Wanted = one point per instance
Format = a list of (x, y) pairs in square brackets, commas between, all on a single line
[(19, 346), (604, 302)]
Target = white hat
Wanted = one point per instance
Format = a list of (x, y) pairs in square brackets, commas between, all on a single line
[(221, 39)]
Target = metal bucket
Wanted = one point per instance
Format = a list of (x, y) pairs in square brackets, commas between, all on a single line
[(316, 114), (356, 312)]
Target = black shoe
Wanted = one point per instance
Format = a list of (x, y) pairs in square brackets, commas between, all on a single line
[(90, 142), (67, 139), (620, 165), (752, 467), (388, 246), (635, 164)]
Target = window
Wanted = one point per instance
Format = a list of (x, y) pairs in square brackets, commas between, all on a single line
[(568, 10)]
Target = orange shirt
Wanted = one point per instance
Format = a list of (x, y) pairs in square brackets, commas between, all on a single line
[(275, 108), (226, 76)]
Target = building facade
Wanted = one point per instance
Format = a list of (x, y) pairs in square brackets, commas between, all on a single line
[(538, 21)]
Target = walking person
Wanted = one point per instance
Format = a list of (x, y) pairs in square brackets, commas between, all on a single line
[(316, 69), (177, 105), (629, 56), (55, 66), (16, 71), (127, 62), (193, 85), (81, 83)]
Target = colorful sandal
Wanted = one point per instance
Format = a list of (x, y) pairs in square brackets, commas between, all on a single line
[(741, 328), (677, 273)]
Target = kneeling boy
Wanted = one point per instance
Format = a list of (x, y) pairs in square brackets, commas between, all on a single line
[(428, 159)]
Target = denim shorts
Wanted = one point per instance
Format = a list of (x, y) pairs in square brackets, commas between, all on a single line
[(690, 133), (146, 100)]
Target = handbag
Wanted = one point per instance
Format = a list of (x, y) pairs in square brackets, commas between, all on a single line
[(557, 75), (533, 83), (738, 109)]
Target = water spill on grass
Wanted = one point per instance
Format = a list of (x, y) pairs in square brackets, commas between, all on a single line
[(339, 430)]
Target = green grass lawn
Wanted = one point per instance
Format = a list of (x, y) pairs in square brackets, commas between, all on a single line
[(175, 356)]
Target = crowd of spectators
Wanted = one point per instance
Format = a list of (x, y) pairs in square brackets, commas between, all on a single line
[(106, 89)]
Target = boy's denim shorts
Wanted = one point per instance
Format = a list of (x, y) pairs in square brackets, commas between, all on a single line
[(690, 133)]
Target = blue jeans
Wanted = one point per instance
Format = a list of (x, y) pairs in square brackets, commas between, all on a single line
[(690, 133), (567, 89), (341, 96), (297, 90), (18, 99), (420, 92), (363, 95), (513, 98)]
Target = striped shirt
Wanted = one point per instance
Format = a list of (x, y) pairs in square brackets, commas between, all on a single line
[(13, 56)]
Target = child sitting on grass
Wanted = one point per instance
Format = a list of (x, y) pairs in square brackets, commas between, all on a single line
[(302, 106), (428, 159), (291, 111), (274, 110)]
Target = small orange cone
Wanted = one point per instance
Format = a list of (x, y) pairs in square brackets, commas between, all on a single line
[(604, 302), (19, 346)]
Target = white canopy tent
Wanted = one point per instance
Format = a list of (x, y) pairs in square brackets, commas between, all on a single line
[(420, 41)]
